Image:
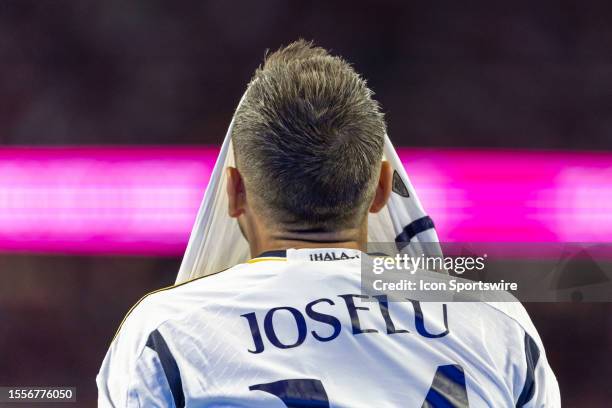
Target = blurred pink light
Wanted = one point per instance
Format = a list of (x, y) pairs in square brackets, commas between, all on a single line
[(101, 200), (143, 200), (515, 196)]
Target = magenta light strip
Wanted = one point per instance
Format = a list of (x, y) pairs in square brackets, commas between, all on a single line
[(143, 200)]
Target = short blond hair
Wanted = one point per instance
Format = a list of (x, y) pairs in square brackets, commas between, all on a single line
[(308, 139)]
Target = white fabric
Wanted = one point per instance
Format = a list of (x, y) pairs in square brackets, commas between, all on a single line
[(216, 242), (206, 325)]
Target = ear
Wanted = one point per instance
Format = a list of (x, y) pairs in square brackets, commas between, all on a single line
[(236, 193), (383, 189)]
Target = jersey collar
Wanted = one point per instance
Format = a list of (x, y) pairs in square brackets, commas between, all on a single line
[(279, 253), (310, 254)]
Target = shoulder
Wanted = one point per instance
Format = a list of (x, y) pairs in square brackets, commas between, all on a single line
[(516, 312), (176, 301), (496, 307), (155, 307)]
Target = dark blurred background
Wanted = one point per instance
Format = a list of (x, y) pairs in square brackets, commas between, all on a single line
[(533, 75)]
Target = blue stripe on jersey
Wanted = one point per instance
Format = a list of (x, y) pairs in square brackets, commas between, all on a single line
[(414, 228), (447, 388), (297, 393), (532, 354), (157, 343)]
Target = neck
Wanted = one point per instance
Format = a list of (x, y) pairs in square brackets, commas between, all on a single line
[(277, 240)]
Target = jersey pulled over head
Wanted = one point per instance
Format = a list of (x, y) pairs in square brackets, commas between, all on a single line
[(305, 159)]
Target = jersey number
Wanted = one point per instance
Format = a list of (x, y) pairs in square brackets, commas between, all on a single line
[(447, 390)]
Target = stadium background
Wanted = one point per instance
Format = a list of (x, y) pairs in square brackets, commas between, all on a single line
[(517, 75)]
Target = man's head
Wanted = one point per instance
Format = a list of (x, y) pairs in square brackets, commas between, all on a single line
[(308, 140)]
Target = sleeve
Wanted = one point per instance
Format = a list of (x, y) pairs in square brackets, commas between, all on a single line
[(533, 381), (132, 373), (540, 387)]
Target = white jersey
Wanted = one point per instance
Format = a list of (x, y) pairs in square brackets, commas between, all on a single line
[(295, 330)]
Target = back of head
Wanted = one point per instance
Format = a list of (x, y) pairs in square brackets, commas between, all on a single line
[(308, 140)]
